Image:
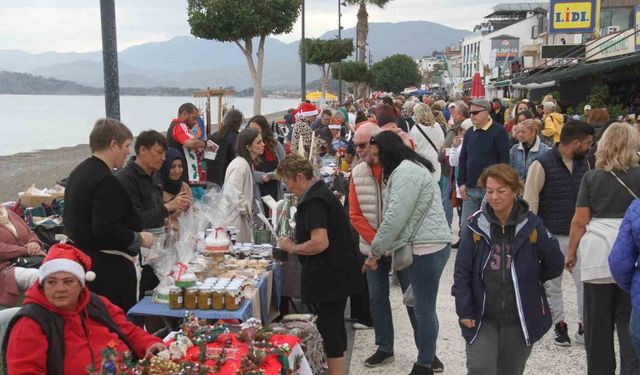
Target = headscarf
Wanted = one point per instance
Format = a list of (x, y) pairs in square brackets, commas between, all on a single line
[(169, 185)]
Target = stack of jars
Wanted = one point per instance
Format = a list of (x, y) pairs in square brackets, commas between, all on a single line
[(212, 294)]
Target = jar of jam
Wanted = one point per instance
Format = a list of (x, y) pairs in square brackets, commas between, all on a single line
[(191, 298), (175, 298), (204, 298), (218, 298), (232, 298)]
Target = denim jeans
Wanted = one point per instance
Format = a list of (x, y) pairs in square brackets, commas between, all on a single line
[(446, 200), (378, 282), (634, 330), (470, 206), (426, 271)]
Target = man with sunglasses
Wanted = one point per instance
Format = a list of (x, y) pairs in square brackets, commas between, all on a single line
[(486, 144)]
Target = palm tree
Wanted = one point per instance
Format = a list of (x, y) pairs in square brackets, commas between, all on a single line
[(363, 24)]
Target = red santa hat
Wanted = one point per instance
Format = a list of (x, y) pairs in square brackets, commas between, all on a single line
[(66, 258), (306, 110)]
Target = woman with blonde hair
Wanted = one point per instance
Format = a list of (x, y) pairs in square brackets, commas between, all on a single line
[(427, 136), (604, 196), (529, 146)]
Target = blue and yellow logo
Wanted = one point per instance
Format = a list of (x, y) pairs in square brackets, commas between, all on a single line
[(568, 16)]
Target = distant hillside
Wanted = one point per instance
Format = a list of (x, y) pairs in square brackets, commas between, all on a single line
[(189, 62), (27, 84)]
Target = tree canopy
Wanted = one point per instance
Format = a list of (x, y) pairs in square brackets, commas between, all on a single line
[(233, 20), (351, 71), (240, 22), (395, 73), (327, 51)]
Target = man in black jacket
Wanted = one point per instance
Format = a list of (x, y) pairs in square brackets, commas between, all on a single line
[(146, 196), (99, 217)]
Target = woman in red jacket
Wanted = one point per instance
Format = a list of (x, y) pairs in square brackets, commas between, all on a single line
[(62, 328)]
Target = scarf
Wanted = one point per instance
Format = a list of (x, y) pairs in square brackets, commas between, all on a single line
[(5, 222), (169, 185)]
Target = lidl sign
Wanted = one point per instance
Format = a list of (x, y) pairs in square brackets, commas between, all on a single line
[(573, 16)]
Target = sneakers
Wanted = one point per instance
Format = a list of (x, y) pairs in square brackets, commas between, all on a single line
[(378, 359), (360, 325), (579, 336), (421, 370), (561, 334), (437, 365)]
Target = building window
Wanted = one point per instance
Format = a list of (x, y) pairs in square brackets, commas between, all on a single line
[(606, 18)]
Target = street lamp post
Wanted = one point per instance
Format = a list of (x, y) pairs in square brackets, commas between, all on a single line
[(303, 62), (339, 63), (110, 59)]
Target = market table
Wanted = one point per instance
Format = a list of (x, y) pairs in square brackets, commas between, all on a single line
[(267, 293)]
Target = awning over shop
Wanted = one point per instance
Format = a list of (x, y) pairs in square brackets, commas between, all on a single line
[(505, 83), (579, 70)]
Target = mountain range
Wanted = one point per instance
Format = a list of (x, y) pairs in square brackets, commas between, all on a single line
[(186, 61)]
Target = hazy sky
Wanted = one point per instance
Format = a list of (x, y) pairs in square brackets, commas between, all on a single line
[(74, 25)]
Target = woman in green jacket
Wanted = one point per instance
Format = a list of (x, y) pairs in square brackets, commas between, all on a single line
[(415, 231)]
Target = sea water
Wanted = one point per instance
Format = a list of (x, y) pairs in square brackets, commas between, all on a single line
[(37, 122)]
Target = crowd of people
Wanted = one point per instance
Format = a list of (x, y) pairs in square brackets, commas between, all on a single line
[(536, 192)]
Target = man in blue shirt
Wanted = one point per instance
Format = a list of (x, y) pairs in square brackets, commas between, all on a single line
[(486, 144)]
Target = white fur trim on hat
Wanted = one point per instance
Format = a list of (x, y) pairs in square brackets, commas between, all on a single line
[(309, 113), (62, 265)]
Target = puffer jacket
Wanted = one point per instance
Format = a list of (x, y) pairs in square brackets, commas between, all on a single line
[(411, 191), (625, 255), (533, 261), (553, 124), (518, 160), (84, 338)]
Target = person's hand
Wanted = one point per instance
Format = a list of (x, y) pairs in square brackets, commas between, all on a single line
[(286, 244), (469, 323), (370, 263), (154, 349), (181, 203), (457, 141), (146, 240), (570, 262), (34, 248), (265, 178), (195, 144), (463, 192)]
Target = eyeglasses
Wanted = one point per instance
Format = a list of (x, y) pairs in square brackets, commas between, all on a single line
[(475, 113)]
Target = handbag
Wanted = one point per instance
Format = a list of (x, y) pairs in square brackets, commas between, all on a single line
[(34, 261)]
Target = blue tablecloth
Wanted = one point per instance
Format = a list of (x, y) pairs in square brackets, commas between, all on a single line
[(147, 307)]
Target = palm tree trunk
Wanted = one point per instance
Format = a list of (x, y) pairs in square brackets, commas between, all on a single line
[(363, 31)]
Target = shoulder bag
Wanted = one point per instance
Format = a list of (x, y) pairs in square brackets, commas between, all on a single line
[(403, 259), (623, 184), (417, 126)]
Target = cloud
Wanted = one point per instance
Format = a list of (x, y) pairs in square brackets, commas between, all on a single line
[(74, 25)]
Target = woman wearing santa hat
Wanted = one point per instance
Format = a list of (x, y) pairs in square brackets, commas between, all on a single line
[(62, 328)]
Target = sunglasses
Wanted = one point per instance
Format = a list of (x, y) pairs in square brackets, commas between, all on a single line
[(475, 113)]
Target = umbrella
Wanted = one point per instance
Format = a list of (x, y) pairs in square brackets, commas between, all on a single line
[(477, 88), (317, 95)]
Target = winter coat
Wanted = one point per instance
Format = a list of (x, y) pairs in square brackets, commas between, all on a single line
[(411, 191), (533, 261), (12, 247), (145, 194), (28, 346), (369, 196), (217, 168), (239, 176), (518, 160), (553, 124), (625, 255)]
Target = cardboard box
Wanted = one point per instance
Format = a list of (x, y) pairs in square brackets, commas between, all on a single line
[(34, 200)]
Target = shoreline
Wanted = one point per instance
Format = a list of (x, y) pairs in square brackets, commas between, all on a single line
[(44, 167)]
